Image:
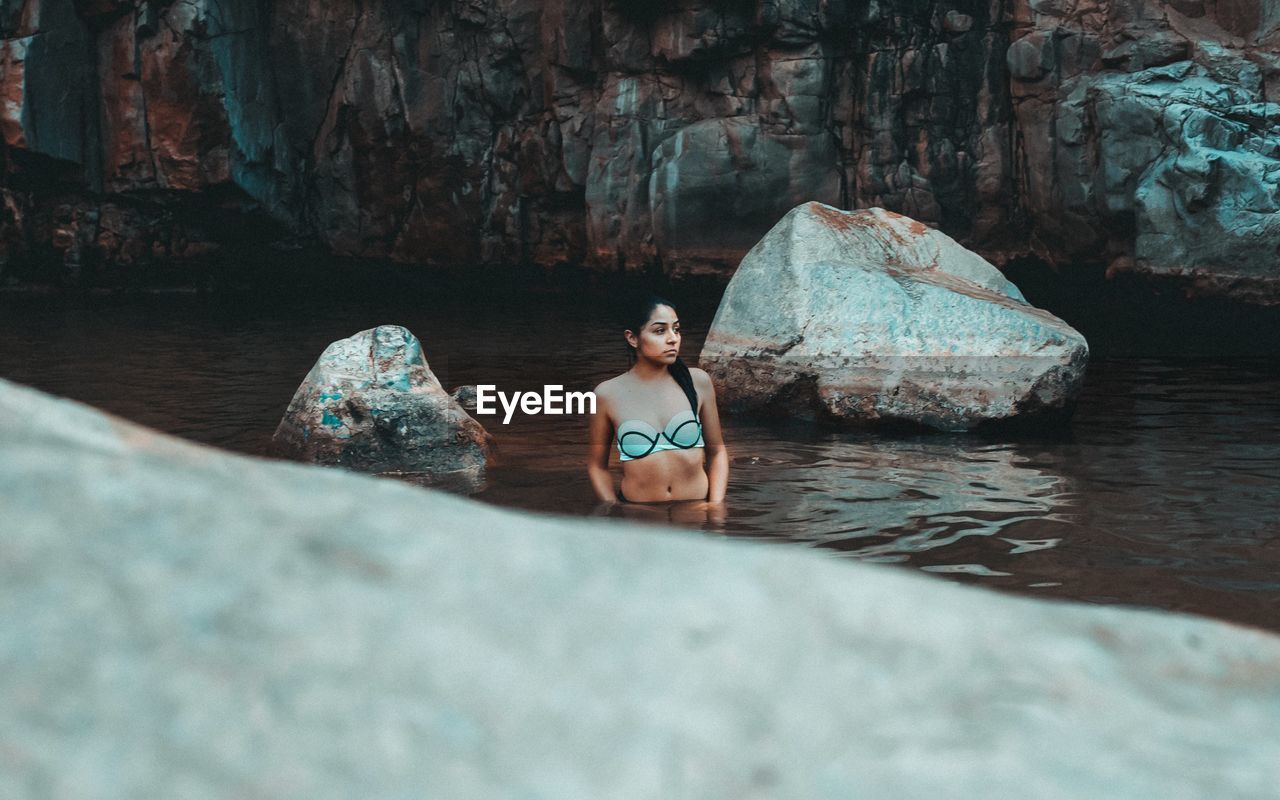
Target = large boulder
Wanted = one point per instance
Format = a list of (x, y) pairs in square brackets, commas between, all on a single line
[(183, 622), (869, 316), (371, 403)]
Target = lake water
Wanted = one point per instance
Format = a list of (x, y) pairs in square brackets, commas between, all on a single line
[(1163, 492)]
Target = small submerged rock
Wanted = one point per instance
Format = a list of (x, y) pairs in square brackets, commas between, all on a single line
[(371, 403), (870, 316)]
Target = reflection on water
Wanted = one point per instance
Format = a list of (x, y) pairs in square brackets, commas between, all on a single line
[(891, 499), (1163, 493)]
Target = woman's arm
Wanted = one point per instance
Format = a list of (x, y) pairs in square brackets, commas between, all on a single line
[(712, 438), (599, 438)]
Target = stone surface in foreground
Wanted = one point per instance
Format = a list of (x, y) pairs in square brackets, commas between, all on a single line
[(869, 317), (371, 403), (181, 622)]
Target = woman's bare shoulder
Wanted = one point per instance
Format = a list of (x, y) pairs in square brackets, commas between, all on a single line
[(700, 377), (609, 389)]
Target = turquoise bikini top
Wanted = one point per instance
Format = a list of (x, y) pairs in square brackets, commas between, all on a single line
[(637, 438)]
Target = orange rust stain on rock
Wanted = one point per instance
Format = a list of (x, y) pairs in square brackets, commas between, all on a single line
[(849, 221), (915, 226), (840, 219)]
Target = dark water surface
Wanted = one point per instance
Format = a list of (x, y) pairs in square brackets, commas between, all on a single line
[(1164, 491)]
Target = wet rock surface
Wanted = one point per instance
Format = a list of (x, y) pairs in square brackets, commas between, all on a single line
[(181, 621), (622, 135), (871, 317), (371, 403)]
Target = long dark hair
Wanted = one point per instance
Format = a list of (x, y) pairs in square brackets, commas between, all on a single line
[(637, 317)]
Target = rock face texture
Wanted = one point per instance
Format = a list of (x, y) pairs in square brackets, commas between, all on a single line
[(617, 134), (1146, 133), (869, 316), (182, 622), (372, 404)]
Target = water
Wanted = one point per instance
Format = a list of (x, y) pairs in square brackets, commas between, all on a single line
[(1163, 492)]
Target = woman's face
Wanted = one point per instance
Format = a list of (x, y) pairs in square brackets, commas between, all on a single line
[(659, 339)]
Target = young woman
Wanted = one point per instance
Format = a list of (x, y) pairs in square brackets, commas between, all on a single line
[(660, 417)]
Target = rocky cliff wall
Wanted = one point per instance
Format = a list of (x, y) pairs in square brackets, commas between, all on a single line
[(618, 134)]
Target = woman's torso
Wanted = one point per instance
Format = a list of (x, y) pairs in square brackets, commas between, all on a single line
[(662, 475)]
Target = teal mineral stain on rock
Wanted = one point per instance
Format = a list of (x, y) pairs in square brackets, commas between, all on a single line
[(330, 420), (398, 381), (412, 349)]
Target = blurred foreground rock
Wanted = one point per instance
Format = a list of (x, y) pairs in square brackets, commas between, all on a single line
[(182, 622), (869, 316), (371, 403)]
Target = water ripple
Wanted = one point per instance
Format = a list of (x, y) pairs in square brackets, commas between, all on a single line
[(1165, 491)]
